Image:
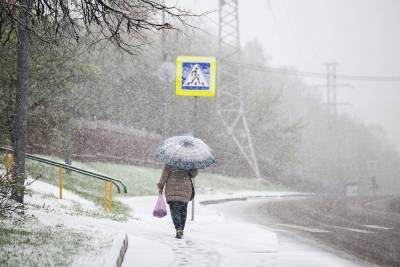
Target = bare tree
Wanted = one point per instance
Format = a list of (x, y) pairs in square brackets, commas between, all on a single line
[(121, 22), (7, 204)]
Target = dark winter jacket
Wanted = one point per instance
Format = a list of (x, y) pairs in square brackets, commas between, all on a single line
[(177, 182)]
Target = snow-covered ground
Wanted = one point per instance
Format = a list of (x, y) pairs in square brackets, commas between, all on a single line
[(214, 238), (47, 195), (101, 238)]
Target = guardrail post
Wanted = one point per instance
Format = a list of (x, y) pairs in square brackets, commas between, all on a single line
[(60, 176), (108, 195), (105, 195), (98, 196), (110, 199)]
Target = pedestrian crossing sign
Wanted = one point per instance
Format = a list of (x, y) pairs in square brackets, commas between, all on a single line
[(195, 76)]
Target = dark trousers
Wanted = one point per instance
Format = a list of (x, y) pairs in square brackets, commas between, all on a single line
[(178, 213)]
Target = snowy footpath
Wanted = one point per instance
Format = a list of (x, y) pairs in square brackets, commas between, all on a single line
[(215, 239)]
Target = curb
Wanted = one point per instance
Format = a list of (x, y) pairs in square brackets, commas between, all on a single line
[(218, 201), (245, 198), (122, 252)]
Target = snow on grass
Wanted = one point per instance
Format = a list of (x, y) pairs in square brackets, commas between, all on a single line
[(83, 186), (31, 243), (58, 232), (45, 197), (45, 190)]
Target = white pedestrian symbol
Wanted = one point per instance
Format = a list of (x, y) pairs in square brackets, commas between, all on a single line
[(195, 78)]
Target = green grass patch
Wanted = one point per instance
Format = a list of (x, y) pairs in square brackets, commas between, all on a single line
[(141, 181)]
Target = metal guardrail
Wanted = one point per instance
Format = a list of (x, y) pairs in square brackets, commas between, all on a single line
[(116, 182), (107, 192)]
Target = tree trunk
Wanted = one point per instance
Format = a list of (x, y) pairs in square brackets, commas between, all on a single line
[(21, 103)]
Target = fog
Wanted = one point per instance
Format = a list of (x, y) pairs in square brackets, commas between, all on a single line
[(297, 140), (361, 36), (299, 105)]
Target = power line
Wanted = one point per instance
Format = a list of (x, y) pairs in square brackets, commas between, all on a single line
[(320, 75), (310, 74)]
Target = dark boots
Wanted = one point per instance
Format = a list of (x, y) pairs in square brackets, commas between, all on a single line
[(179, 234)]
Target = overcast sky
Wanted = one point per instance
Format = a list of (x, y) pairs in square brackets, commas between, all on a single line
[(362, 36)]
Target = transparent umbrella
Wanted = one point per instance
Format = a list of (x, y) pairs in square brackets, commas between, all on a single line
[(185, 152)]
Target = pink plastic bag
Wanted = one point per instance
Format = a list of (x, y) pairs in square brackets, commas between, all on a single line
[(160, 210)]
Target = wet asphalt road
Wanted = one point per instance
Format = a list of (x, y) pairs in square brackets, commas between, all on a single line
[(347, 230)]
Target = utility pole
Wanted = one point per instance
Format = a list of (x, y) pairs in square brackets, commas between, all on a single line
[(165, 83), (230, 106), (164, 54), (166, 75)]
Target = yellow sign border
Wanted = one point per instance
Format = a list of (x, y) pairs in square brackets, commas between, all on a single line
[(213, 66)]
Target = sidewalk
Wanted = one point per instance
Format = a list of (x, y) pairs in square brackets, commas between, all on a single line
[(217, 237), (213, 239)]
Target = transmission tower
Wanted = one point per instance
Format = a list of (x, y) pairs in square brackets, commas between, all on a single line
[(331, 88), (230, 106)]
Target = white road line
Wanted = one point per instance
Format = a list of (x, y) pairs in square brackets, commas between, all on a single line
[(353, 229), (377, 227), (303, 228)]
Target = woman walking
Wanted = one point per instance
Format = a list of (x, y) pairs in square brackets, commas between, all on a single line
[(179, 191), (182, 156)]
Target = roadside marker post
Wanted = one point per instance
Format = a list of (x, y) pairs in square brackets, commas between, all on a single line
[(98, 196), (105, 195), (108, 195)]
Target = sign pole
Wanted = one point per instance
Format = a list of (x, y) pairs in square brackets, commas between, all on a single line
[(195, 76), (194, 130)]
